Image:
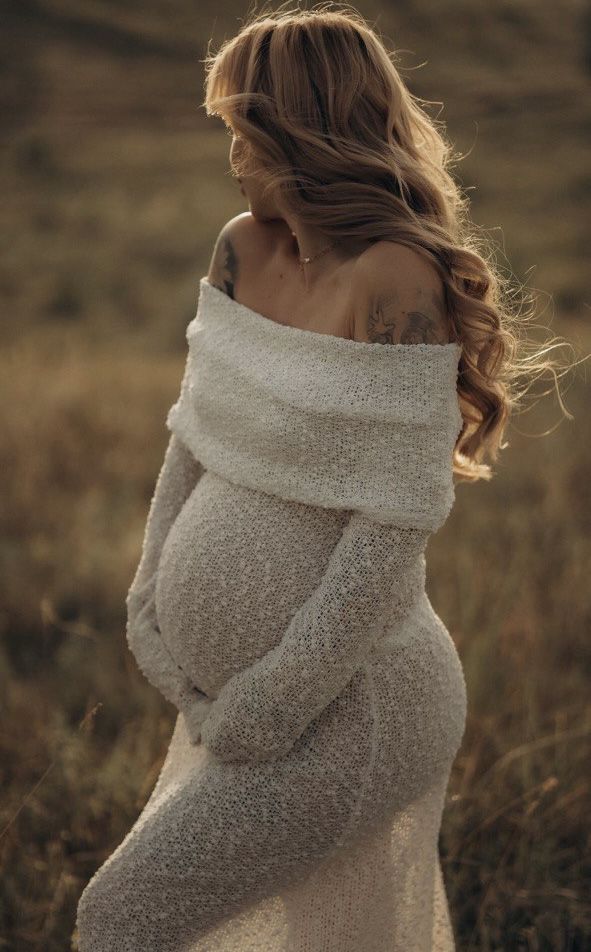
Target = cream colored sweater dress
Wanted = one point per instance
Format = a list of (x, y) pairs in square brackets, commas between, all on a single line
[(280, 605)]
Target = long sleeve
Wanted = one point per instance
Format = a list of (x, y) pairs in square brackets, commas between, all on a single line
[(179, 474), (325, 421), (261, 711)]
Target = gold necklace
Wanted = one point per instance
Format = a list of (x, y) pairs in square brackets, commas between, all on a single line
[(303, 261)]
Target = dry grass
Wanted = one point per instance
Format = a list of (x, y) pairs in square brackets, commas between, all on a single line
[(115, 187)]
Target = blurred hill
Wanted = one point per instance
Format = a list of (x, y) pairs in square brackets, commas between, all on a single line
[(114, 187)]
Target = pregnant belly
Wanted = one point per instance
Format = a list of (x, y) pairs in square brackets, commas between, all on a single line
[(236, 565)]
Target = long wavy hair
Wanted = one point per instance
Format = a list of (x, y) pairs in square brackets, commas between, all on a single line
[(330, 127)]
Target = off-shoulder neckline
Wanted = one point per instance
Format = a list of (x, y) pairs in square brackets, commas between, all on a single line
[(289, 331)]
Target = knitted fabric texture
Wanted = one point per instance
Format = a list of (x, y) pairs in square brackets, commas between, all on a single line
[(280, 605)]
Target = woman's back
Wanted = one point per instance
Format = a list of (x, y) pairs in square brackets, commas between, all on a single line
[(256, 262)]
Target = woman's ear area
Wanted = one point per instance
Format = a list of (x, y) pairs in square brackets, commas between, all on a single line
[(236, 146), (241, 158), (399, 298)]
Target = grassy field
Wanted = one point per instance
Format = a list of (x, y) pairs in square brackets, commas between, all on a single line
[(114, 188)]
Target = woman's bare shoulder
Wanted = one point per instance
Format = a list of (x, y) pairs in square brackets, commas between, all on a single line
[(240, 246), (399, 298)]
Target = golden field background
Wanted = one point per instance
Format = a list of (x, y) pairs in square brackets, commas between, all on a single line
[(115, 186)]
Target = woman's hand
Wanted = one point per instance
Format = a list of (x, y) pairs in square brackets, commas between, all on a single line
[(242, 723), (195, 709)]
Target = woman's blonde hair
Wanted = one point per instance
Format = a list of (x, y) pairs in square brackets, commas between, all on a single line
[(331, 128)]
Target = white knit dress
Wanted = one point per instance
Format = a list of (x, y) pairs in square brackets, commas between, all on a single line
[(280, 605)]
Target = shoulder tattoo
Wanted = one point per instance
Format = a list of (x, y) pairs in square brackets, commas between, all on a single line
[(224, 265), (419, 318)]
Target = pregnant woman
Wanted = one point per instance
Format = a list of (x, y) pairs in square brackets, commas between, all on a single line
[(343, 366)]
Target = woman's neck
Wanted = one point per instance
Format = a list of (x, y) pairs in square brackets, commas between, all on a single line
[(305, 241)]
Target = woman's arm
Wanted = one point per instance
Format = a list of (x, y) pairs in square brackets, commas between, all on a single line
[(178, 476), (261, 711)]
